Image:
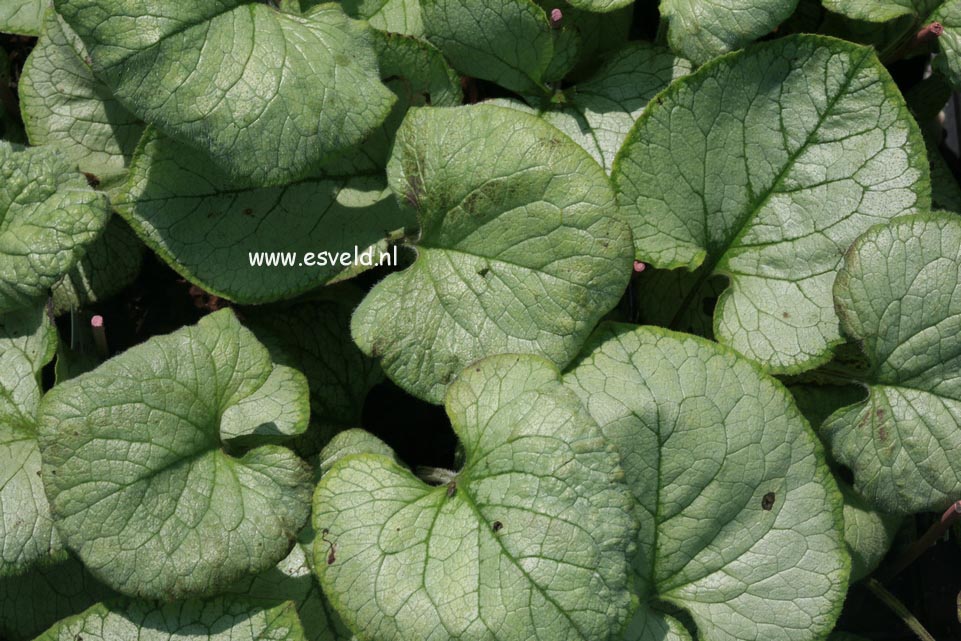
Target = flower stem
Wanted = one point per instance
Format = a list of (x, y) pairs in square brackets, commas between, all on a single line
[(899, 609)]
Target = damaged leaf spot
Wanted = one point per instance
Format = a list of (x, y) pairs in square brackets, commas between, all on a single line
[(767, 503)]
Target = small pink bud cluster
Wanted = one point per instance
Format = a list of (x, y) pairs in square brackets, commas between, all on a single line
[(556, 17)]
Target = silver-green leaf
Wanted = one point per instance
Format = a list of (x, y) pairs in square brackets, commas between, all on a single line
[(509, 42), (899, 294), (598, 113), (702, 29), (267, 94), (220, 619), (48, 214), (520, 248), (395, 16), (143, 470), (27, 534), (65, 105), (529, 540), (21, 16), (212, 230), (883, 10), (740, 517), (730, 169)]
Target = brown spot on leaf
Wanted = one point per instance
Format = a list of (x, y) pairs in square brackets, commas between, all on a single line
[(768, 501), (451, 489), (497, 526), (248, 212), (332, 550), (785, 315)]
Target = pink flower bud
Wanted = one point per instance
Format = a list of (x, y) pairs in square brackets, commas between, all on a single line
[(556, 17), (639, 266)]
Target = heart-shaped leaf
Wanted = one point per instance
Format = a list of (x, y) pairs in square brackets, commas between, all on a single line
[(27, 535), (528, 540), (598, 113), (238, 79), (65, 105), (519, 248), (702, 29), (740, 518), (142, 468), (899, 294), (221, 619), (729, 171), (48, 214)]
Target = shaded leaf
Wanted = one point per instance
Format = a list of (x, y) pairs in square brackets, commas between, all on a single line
[(867, 532), (65, 105), (110, 263), (509, 42), (702, 29), (32, 602), (207, 227), (314, 338)]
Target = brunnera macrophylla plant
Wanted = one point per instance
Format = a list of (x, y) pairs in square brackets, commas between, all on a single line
[(688, 294)]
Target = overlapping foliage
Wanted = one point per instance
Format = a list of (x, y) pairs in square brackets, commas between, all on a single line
[(638, 269)]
